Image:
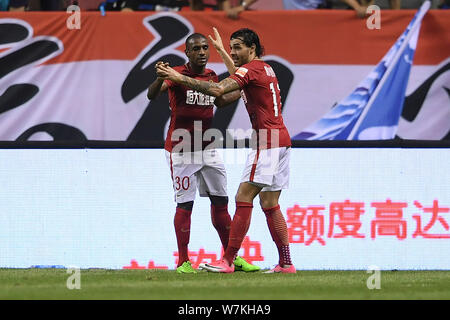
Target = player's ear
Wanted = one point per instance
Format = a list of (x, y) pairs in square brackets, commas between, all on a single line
[(187, 50)]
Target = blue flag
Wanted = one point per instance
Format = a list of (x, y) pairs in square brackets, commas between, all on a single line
[(372, 111)]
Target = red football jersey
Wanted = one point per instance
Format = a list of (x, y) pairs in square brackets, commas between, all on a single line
[(187, 106), (261, 95)]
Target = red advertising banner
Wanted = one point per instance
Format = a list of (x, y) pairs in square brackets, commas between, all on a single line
[(300, 37)]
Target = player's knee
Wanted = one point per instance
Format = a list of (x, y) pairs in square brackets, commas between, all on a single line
[(247, 192), (218, 200), (267, 203), (242, 196), (186, 205)]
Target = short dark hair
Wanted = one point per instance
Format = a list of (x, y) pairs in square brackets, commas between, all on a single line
[(249, 37), (194, 36)]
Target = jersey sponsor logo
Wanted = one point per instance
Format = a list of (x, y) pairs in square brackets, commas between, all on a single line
[(241, 72), (198, 98)]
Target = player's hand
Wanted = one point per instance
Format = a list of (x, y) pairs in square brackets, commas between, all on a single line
[(161, 63), (166, 72), (158, 64), (217, 42)]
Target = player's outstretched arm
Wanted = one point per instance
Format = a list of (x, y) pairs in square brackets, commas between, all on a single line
[(158, 85), (208, 87), (218, 44), (227, 98)]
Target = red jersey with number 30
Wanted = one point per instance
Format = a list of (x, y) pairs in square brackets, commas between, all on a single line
[(187, 106), (261, 94)]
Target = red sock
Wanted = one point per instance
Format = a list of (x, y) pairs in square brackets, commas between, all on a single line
[(182, 223), (239, 228), (278, 231), (221, 220)]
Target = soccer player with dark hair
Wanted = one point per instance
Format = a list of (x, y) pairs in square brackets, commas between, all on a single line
[(207, 171), (267, 169)]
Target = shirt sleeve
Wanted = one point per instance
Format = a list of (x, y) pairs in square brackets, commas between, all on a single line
[(215, 78), (241, 76)]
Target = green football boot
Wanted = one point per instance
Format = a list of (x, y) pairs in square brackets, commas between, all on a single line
[(186, 267), (241, 265)]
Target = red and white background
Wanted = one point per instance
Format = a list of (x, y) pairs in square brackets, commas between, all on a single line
[(346, 208), (90, 83)]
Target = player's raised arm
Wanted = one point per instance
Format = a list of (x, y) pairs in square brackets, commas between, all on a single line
[(208, 87), (227, 98), (218, 44), (158, 85)]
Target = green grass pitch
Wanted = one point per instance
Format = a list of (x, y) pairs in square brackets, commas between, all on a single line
[(48, 284)]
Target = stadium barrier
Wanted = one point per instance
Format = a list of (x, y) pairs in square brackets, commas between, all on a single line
[(103, 204), (89, 200)]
